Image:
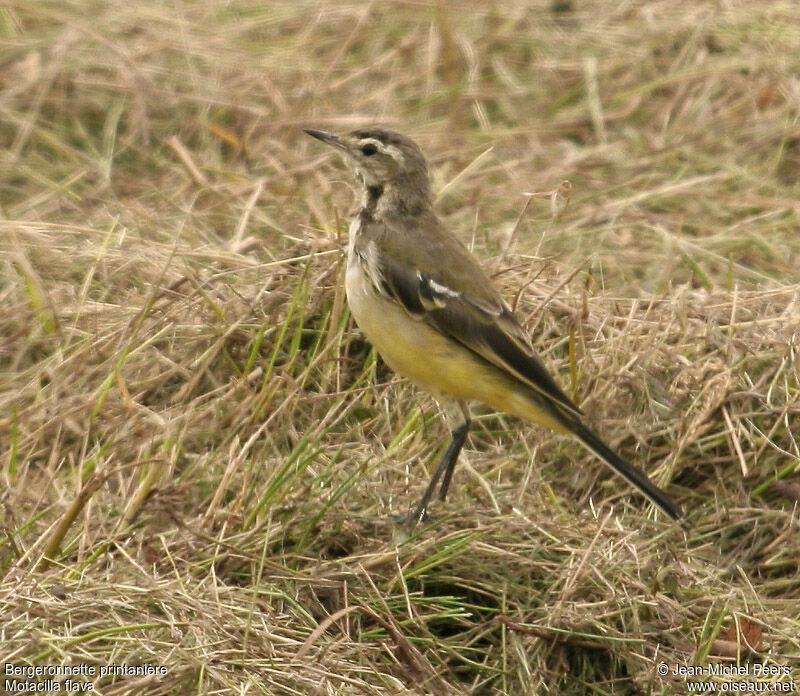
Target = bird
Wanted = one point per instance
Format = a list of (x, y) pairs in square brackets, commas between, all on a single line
[(428, 307)]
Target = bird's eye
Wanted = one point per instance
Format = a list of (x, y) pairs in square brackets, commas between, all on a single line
[(369, 149)]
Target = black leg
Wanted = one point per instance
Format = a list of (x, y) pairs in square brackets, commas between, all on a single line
[(451, 455), (445, 466)]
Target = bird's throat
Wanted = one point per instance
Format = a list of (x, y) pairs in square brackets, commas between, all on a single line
[(374, 194), (388, 200)]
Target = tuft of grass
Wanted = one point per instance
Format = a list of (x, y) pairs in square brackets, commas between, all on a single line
[(200, 454)]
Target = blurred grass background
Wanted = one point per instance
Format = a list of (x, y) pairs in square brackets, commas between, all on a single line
[(200, 453)]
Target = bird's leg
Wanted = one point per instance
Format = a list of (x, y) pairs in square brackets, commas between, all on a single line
[(458, 437), (444, 469)]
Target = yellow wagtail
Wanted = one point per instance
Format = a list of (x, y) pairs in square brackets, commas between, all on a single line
[(431, 311)]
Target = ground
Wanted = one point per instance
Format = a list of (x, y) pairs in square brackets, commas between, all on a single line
[(201, 458)]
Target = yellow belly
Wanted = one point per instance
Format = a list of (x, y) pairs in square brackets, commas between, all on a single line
[(432, 361)]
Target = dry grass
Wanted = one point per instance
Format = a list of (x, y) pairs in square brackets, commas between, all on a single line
[(208, 452)]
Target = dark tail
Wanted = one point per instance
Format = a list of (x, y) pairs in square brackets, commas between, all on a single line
[(629, 472)]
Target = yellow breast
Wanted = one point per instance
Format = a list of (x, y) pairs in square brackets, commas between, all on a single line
[(432, 361)]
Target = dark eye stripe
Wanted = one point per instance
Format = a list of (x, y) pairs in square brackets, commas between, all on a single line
[(369, 149)]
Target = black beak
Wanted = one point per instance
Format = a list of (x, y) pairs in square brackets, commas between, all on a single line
[(325, 137)]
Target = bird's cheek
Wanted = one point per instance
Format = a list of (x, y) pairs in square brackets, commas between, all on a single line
[(366, 177)]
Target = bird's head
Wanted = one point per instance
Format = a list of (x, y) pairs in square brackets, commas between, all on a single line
[(381, 158)]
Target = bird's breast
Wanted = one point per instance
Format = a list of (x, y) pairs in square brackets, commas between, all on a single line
[(415, 349), (409, 346)]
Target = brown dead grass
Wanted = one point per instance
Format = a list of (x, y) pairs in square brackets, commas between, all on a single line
[(201, 455)]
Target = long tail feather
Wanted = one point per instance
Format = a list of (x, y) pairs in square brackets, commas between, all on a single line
[(629, 472)]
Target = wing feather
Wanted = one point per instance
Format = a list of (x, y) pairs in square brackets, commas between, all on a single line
[(488, 329)]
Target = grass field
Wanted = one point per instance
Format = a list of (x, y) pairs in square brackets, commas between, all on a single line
[(200, 455)]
